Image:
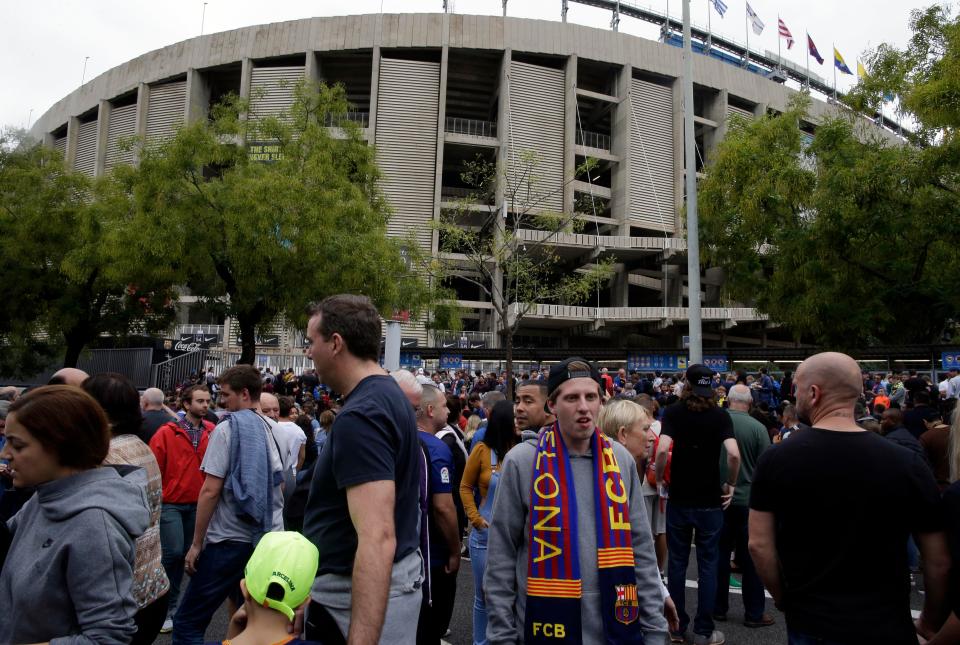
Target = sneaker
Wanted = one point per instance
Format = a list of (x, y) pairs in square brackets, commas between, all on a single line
[(765, 621), (734, 583), (720, 617), (677, 637), (716, 638), (167, 626)]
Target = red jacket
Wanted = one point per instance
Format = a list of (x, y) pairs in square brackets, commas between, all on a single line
[(179, 462)]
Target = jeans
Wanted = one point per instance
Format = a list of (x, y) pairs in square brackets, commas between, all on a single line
[(176, 535), (734, 538), (478, 562), (683, 526), (219, 571)]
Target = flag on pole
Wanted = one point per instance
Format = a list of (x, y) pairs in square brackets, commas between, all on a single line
[(813, 50), (839, 63), (720, 6), (755, 21), (785, 33), (861, 70)]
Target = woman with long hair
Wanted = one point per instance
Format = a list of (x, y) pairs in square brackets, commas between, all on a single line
[(482, 473), (69, 571), (121, 402)]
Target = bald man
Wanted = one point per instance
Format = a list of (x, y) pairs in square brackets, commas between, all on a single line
[(68, 376), (830, 513)]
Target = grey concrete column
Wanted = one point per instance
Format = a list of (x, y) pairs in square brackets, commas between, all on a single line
[(672, 286), (103, 128), (140, 124), (198, 97), (620, 287), (374, 92), (620, 132), (716, 111), (73, 132), (246, 77), (713, 281), (678, 168), (441, 119), (312, 67), (48, 139), (760, 110), (569, 131)]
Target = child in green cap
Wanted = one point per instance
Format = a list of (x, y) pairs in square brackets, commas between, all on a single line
[(276, 582)]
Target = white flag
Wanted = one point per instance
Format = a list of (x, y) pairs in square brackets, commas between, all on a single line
[(755, 21)]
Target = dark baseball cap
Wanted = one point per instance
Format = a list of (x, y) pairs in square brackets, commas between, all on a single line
[(700, 378), (562, 373)]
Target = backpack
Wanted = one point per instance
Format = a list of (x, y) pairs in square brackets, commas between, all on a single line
[(652, 466)]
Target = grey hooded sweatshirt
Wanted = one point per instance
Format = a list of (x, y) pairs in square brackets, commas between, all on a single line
[(505, 580), (68, 575)]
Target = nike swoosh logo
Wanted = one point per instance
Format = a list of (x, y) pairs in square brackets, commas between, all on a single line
[(410, 344), (446, 345), (209, 339), (476, 346)]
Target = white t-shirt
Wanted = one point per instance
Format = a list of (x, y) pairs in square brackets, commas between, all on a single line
[(290, 437)]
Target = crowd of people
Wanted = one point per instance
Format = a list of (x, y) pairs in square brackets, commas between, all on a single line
[(338, 505)]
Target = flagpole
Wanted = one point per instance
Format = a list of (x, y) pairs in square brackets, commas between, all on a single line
[(709, 30), (808, 61), (834, 71), (746, 23), (690, 167), (779, 38)]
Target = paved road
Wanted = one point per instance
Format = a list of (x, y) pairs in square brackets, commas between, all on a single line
[(462, 621)]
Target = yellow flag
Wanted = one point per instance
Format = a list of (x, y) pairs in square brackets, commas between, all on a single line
[(861, 70)]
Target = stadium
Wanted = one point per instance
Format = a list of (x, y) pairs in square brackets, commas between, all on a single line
[(432, 91)]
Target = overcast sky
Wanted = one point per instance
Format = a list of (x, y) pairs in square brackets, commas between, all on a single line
[(44, 45)]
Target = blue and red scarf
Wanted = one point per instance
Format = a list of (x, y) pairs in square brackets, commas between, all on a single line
[(554, 586)]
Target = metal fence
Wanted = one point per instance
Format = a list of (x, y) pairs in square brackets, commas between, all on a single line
[(360, 118), (168, 374), (471, 127), (593, 140)]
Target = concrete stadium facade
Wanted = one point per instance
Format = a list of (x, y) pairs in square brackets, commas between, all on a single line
[(433, 90)]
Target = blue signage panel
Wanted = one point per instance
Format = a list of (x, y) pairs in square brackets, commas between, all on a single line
[(950, 360), (655, 362), (410, 359), (716, 363), (451, 361)]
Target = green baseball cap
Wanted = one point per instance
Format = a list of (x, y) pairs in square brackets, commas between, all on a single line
[(287, 559)]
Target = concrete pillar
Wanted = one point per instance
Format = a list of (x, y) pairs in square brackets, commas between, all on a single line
[(570, 126), (620, 287), (246, 77), (312, 67), (103, 127), (672, 286), (441, 119), (374, 91), (713, 281), (198, 97), (716, 111), (620, 133), (760, 110), (73, 132), (48, 139), (140, 125)]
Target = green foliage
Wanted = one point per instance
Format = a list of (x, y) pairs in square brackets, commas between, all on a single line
[(62, 284), (847, 241), (265, 239)]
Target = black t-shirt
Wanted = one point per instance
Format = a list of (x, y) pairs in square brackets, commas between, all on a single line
[(695, 465), (373, 439), (152, 420), (844, 504), (951, 514)]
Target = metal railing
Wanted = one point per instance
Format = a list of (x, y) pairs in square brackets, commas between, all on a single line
[(471, 127), (593, 140), (453, 340), (199, 329), (336, 120), (168, 374)]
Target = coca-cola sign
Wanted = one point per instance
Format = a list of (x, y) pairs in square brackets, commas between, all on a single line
[(194, 342)]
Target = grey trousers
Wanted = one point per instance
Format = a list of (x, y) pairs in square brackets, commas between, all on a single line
[(333, 592)]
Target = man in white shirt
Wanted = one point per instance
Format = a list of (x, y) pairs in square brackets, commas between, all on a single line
[(289, 435)]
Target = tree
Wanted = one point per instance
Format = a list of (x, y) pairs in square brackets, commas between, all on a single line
[(62, 285), (261, 239), (515, 272), (846, 240)]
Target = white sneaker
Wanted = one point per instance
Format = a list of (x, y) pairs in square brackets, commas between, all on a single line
[(167, 626)]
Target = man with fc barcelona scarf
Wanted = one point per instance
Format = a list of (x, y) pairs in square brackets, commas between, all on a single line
[(570, 554)]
